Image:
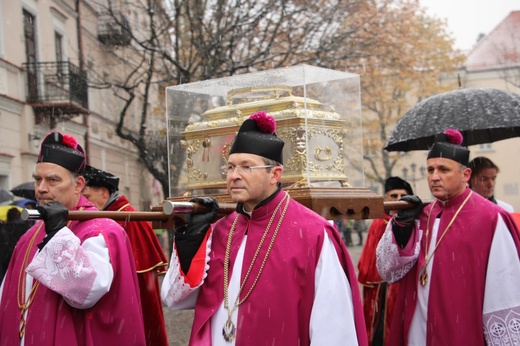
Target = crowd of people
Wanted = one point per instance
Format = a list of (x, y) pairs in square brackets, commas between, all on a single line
[(271, 272)]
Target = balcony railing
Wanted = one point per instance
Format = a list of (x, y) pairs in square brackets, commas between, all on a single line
[(57, 88), (114, 29)]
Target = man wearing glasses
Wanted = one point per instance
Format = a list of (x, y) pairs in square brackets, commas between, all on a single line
[(378, 296), (273, 271)]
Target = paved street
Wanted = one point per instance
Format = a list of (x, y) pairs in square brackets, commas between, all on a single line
[(178, 323)]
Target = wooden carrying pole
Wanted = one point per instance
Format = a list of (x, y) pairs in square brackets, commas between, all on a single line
[(172, 213)]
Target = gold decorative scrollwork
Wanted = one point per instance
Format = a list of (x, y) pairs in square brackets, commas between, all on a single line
[(298, 135), (325, 150), (191, 148), (299, 162), (336, 135), (338, 164), (239, 117), (189, 162), (197, 174), (225, 151), (345, 183), (299, 184)]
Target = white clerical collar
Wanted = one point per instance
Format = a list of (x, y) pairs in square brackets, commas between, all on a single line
[(249, 213)]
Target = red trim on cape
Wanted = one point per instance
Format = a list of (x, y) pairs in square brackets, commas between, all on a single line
[(368, 276)]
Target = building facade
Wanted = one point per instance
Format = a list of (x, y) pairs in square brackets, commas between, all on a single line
[(59, 63)]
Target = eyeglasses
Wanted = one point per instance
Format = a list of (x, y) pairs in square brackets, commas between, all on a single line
[(398, 195), (228, 169)]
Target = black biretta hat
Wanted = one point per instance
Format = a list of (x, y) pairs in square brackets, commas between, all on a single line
[(257, 136), (98, 178), (396, 183), (63, 150), (448, 145)]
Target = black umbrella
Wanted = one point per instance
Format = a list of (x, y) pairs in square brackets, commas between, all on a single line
[(25, 190), (5, 196), (482, 115)]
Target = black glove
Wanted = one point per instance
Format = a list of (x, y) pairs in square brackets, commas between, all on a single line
[(189, 236), (402, 224), (54, 215), (199, 223), (408, 215)]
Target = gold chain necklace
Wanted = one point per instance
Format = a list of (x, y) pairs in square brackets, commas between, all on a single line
[(229, 330), (424, 275), (24, 304)]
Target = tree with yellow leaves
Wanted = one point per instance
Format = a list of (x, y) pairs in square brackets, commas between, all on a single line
[(413, 55)]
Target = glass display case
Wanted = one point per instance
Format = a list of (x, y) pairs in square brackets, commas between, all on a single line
[(317, 113)]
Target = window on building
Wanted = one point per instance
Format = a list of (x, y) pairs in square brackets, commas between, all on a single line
[(29, 31), (1, 32), (485, 147), (58, 43)]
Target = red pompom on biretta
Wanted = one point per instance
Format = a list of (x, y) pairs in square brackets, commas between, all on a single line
[(454, 136), (69, 141), (265, 122)]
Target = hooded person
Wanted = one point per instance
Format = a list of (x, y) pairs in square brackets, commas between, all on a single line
[(69, 282), (456, 259), (379, 297), (271, 272), (150, 261)]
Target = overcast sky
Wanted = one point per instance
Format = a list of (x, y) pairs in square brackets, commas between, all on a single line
[(468, 18)]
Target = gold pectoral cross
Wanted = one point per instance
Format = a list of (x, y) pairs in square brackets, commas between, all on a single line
[(229, 332), (423, 278)]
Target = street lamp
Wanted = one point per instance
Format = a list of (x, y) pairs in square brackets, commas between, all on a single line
[(413, 178), (34, 138)]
